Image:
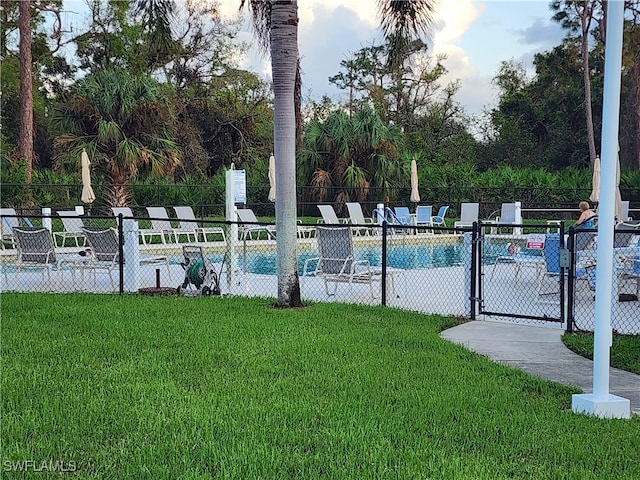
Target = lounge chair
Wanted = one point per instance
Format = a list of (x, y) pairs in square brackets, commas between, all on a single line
[(631, 270), (188, 223), (336, 262), (520, 261), (551, 255), (161, 225), (424, 217), (468, 215), (392, 219), (438, 219), (624, 211), (72, 227), (356, 217), (329, 216), (35, 250), (8, 220), (508, 216), (251, 225), (105, 248), (127, 213)]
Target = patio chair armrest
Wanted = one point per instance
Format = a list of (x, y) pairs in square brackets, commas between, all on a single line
[(307, 262), (361, 263)]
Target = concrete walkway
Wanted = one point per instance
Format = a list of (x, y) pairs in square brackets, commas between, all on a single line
[(540, 351)]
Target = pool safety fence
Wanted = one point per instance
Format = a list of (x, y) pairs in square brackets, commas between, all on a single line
[(518, 273)]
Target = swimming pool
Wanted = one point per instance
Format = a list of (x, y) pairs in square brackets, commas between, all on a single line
[(400, 256), (406, 257)]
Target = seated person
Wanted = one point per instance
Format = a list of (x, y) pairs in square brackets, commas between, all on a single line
[(587, 217)]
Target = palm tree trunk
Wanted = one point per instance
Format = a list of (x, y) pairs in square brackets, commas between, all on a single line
[(25, 141), (586, 19), (636, 101), (284, 58)]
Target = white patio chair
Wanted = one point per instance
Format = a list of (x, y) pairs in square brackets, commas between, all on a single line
[(8, 220), (72, 227), (250, 225), (468, 215), (188, 223), (127, 213), (356, 217), (329, 216)]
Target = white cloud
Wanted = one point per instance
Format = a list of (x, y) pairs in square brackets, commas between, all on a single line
[(474, 35)]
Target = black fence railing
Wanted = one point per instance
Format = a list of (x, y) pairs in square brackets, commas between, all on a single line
[(528, 273), (209, 200)]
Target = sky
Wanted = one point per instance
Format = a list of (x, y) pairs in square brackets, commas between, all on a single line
[(475, 35)]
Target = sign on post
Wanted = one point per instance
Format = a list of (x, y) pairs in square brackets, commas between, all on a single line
[(240, 186), (535, 241)]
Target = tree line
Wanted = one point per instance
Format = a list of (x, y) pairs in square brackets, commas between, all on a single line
[(152, 90)]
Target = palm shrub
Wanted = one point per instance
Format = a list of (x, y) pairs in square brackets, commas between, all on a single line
[(351, 159), (125, 123)]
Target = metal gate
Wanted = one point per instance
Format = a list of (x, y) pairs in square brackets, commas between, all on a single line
[(521, 271)]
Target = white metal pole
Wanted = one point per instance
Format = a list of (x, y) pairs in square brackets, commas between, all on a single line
[(606, 208), (46, 218), (601, 403), (232, 216)]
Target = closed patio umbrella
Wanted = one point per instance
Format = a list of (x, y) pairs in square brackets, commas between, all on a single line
[(415, 195), (595, 182), (87, 192), (272, 178)]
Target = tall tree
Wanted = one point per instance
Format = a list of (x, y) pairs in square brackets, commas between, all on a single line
[(25, 142), (577, 16), (279, 18)]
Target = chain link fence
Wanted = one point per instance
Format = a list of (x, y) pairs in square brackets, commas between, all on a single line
[(531, 273)]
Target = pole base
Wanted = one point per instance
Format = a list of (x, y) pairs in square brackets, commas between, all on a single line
[(609, 406)]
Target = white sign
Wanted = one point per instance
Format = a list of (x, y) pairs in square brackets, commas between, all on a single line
[(535, 241), (240, 186)]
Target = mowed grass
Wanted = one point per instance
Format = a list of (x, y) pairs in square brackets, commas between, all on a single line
[(625, 351), (192, 388)]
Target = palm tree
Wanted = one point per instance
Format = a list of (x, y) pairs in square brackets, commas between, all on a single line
[(351, 158), (125, 124), (276, 25)]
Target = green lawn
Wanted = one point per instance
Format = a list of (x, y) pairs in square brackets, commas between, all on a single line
[(625, 351), (193, 388)]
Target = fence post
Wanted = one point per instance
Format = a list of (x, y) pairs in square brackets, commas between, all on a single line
[(469, 261), (46, 220), (131, 251), (571, 280), (384, 263)]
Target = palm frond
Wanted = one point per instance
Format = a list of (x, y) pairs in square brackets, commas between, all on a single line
[(261, 21), (406, 18)]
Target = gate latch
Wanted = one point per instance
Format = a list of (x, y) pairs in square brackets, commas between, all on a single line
[(564, 258)]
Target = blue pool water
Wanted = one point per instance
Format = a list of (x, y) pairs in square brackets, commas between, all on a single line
[(405, 257), (399, 256)]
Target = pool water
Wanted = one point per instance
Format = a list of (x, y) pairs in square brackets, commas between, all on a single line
[(405, 257)]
